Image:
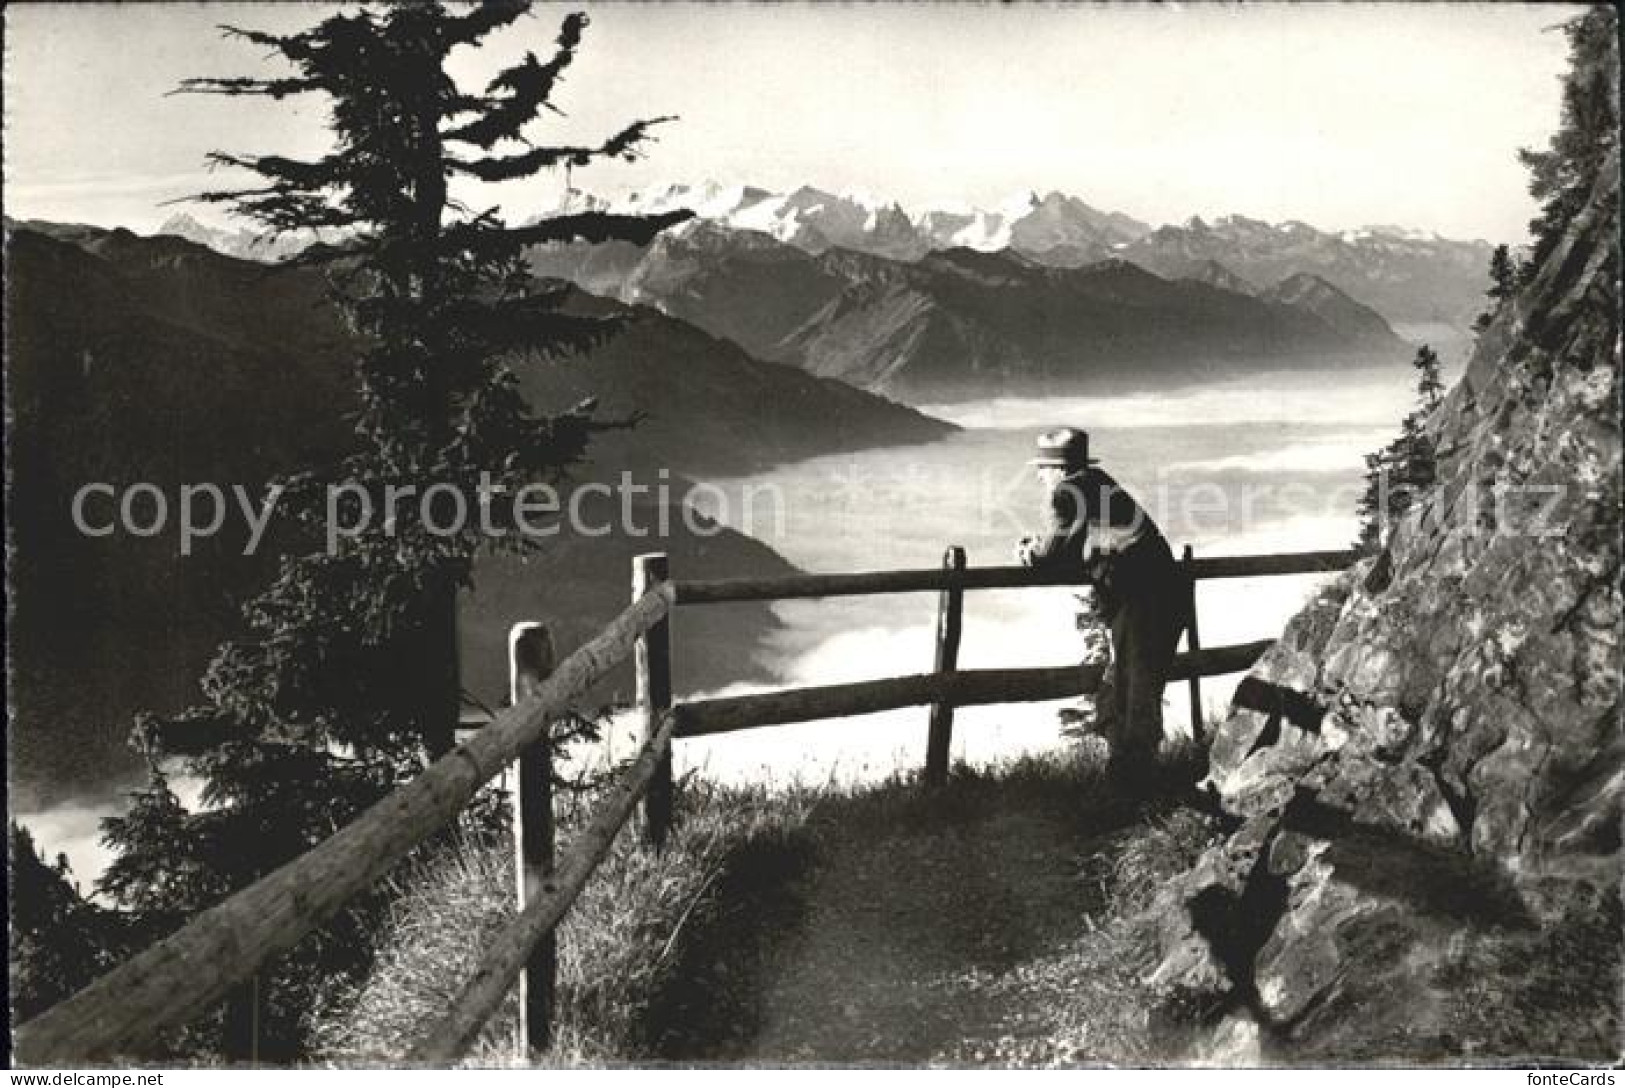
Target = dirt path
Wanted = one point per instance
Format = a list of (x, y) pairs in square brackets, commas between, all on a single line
[(958, 936)]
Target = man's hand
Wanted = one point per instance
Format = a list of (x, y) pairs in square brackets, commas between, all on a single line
[(1024, 551)]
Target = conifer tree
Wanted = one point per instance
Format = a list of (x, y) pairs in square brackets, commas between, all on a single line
[(1561, 176), (345, 682), (1399, 473), (1503, 274), (1429, 385), (60, 940), (1504, 280)]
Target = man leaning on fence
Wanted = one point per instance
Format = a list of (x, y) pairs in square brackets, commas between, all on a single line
[(1095, 526)]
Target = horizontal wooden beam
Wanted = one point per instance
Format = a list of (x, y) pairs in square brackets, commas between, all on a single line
[(970, 687), (1252, 566), (192, 970), (790, 586), (511, 949), (936, 579)]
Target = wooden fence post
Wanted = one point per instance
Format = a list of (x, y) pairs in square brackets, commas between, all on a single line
[(653, 663), (530, 661), (240, 1042), (950, 609), (1193, 642)]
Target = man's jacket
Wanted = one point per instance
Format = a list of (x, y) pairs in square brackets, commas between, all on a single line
[(1089, 518)]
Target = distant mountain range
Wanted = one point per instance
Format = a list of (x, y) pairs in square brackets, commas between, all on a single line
[(1407, 276), (967, 323), (155, 359)]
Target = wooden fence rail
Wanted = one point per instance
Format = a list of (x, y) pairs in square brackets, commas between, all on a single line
[(968, 687), (194, 969), (191, 971), (794, 586)]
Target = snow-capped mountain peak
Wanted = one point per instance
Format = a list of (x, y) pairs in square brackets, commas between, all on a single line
[(1053, 225)]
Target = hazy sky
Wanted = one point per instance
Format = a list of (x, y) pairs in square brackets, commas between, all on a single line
[(1340, 115)]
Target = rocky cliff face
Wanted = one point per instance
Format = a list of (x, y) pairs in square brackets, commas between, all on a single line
[(1426, 771)]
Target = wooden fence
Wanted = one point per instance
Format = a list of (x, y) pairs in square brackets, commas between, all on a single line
[(219, 952)]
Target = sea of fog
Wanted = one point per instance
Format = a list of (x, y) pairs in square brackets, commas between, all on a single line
[(1265, 464), (1256, 465)]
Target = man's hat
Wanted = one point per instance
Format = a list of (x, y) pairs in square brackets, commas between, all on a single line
[(1065, 447)]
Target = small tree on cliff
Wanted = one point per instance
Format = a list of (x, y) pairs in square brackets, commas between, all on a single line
[(1503, 285), (1503, 275), (1429, 383), (347, 677), (1398, 474)]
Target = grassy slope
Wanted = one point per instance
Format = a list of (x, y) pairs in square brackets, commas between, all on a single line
[(997, 920)]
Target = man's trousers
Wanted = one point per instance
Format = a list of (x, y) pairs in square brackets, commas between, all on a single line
[(1145, 598)]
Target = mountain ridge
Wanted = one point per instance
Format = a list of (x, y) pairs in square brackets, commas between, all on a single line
[(1404, 275), (965, 322)]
